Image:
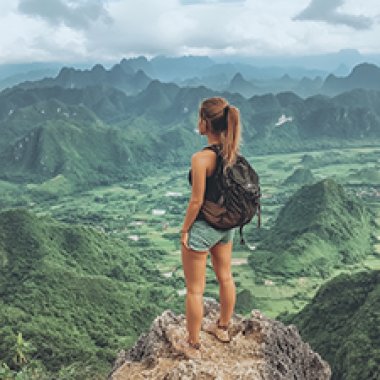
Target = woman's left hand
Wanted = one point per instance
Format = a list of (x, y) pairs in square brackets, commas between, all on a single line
[(184, 239)]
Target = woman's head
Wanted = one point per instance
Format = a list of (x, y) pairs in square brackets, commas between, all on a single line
[(217, 117)]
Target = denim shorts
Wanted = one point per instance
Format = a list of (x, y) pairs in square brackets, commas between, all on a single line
[(203, 236)]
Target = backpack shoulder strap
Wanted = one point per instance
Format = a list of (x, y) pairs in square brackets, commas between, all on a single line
[(219, 159), (213, 147)]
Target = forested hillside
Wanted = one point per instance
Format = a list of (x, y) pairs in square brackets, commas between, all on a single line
[(99, 135), (319, 228), (77, 295), (342, 323)]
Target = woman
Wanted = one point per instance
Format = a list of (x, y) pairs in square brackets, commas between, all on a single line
[(220, 122)]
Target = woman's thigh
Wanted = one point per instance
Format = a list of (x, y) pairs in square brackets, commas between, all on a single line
[(194, 267), (221, 254)]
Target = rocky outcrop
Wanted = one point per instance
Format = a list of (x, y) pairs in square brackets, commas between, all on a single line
[(261, 348)]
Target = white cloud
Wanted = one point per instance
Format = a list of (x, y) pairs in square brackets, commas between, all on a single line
[(111, 29), (328, 11), (191, 2), (74, 13), (145, 27)]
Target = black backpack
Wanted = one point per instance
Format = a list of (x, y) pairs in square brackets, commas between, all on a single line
[(240, 195)]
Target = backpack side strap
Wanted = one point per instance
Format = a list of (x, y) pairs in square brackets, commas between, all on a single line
[(242, 241), (258, 215)]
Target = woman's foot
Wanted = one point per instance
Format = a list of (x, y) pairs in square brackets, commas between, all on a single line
[(219, 331), (189, 349)]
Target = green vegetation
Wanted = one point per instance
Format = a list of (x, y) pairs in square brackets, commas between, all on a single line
[(366, 175), (319, 228), (97, 185), (98, 135), (125, 210), (67, 141), (77, 295), (118, 164), (342, 324)]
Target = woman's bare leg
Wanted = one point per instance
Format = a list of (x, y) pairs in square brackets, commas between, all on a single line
[(221, 260), (194, 267)]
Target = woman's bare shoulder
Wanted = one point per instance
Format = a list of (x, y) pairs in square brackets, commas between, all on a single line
[(203, 155)]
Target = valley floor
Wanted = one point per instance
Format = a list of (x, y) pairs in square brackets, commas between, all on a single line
[(149, 213)]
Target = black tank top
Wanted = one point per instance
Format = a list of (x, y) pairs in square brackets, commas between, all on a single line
[(211, 192)]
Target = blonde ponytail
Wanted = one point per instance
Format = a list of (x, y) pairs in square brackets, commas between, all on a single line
[(231, 137), (224, 119)]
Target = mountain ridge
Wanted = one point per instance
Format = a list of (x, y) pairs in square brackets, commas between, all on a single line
[(364, 75), (271, 123), (342, 322), (319, 228), (120, 76)]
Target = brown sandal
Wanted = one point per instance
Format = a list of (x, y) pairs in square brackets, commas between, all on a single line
[(195, 345), (182, 344), (188, 349), (220, 332), (220, 326)]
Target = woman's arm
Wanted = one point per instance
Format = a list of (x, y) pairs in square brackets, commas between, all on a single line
[(198, 179)]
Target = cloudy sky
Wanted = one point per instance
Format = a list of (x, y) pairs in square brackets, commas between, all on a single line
[(106, 30)]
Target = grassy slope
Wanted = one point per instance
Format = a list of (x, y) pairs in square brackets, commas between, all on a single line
[(342, 323), (76, 294), (319, 228)]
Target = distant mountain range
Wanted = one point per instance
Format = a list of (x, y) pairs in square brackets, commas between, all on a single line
[(362, 76), (134, 74), (342, 322), (121, 76), (33, 75), (365, 75), (338, 63), (302, 87), (99, 132), (319, 228)]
